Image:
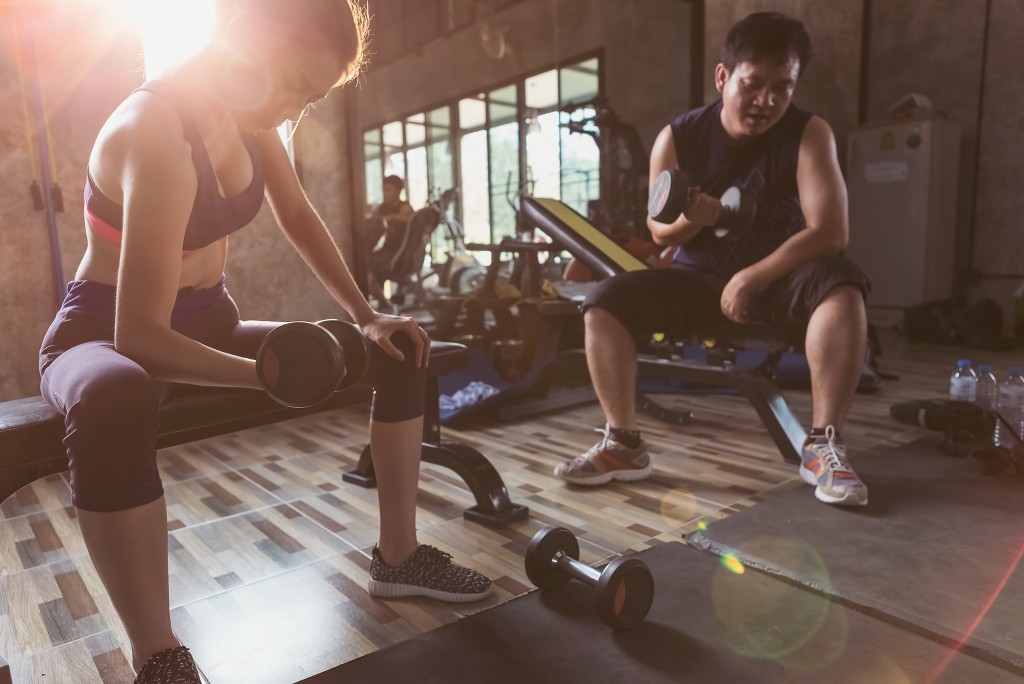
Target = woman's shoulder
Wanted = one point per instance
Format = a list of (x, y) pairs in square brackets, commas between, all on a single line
[(141, 127)]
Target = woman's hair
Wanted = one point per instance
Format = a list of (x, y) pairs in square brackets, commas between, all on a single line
[(766, 35), (342, 25)]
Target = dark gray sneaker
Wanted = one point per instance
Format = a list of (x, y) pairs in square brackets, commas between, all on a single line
[(170, 666), (427, 572)]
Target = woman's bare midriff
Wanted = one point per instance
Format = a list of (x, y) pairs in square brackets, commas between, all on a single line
[(199, 269)]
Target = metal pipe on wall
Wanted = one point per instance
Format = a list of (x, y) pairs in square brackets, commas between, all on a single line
[(24, 26)]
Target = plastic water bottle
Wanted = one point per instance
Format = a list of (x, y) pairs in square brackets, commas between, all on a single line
[(987, 394), (963, 383), (1011, 407)]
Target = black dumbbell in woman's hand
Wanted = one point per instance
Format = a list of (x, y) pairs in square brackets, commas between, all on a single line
[(301, 364), (356, 347)]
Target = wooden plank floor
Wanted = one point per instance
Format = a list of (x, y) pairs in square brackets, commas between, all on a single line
[(269, 548)]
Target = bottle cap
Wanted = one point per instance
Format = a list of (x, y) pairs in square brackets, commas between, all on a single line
[(1014, 372), (964, 363), (984, 368)]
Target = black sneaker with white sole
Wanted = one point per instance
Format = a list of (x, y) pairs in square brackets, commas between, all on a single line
[(427, 572)]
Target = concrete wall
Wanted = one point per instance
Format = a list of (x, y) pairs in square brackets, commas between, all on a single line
[(87, 66), (829, 86), (646, 59)]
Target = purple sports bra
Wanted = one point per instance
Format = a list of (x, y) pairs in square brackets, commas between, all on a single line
[(213, 215)]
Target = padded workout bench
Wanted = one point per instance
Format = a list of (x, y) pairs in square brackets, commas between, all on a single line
[(605, 258), (32, 433)]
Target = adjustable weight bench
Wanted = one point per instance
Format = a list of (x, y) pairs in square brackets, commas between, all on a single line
[(32, 433), (606, 258)]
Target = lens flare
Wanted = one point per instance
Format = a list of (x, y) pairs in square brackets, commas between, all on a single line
[(763, 617), (733, 564), (171, 31)]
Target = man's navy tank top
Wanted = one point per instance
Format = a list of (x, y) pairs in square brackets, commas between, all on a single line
[(765, 165)]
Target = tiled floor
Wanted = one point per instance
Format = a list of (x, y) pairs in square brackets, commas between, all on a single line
[(269, 547)]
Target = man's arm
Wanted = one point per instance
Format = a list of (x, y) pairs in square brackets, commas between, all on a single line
[(701, 210), (825, 207), (823, 201)]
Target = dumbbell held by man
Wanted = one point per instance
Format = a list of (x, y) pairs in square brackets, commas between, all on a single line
[(301, 364), (671, 196)]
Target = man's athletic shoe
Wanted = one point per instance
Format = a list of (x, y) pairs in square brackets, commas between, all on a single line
[(824, 464), (606, 461)]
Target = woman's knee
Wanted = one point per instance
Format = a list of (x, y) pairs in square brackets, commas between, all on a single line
[(399, 386), (111, 441)]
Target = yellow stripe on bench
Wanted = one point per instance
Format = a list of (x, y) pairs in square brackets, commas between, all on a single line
[(590, 233)]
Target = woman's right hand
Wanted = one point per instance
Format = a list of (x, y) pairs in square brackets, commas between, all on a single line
[(382, 326)]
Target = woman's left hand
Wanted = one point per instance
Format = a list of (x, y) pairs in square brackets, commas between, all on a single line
[(382, 326)]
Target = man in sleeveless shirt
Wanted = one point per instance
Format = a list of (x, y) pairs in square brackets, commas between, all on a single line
[(787, 270), (389, 219)]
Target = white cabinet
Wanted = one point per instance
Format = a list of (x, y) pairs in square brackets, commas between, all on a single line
[(902, 180)]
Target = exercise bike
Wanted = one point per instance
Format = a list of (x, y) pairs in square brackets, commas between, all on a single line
[(462, 272)]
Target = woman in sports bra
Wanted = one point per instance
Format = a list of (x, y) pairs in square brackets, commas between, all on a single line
[(182, 163)]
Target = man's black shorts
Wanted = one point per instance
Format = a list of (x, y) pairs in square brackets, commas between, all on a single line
[(684, 301)]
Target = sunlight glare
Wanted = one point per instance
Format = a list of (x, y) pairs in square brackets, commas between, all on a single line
[(172, 30)]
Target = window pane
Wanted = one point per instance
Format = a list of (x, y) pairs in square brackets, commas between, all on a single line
[(472, 114), (475, 201), (439, 164), (503, 106), (580, 82), (542, 159), (416, 179), (393, 134), (374, 186), (415, 133), (394, 164), (542, 90), (440, 118), (371, 144), (439, 161), (581, 165), (372, 152), (504, 179)]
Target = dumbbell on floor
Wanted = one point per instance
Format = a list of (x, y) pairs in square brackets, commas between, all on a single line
[(670, 195), (301, 364), (624, 589)]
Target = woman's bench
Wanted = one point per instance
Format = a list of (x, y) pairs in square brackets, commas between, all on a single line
[(32, 433)]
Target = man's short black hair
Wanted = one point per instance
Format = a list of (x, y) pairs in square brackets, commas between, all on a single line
[(770, 35), (395, 182)]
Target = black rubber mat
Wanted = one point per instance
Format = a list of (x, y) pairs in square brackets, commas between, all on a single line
[(938, 546), (712, 621)]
